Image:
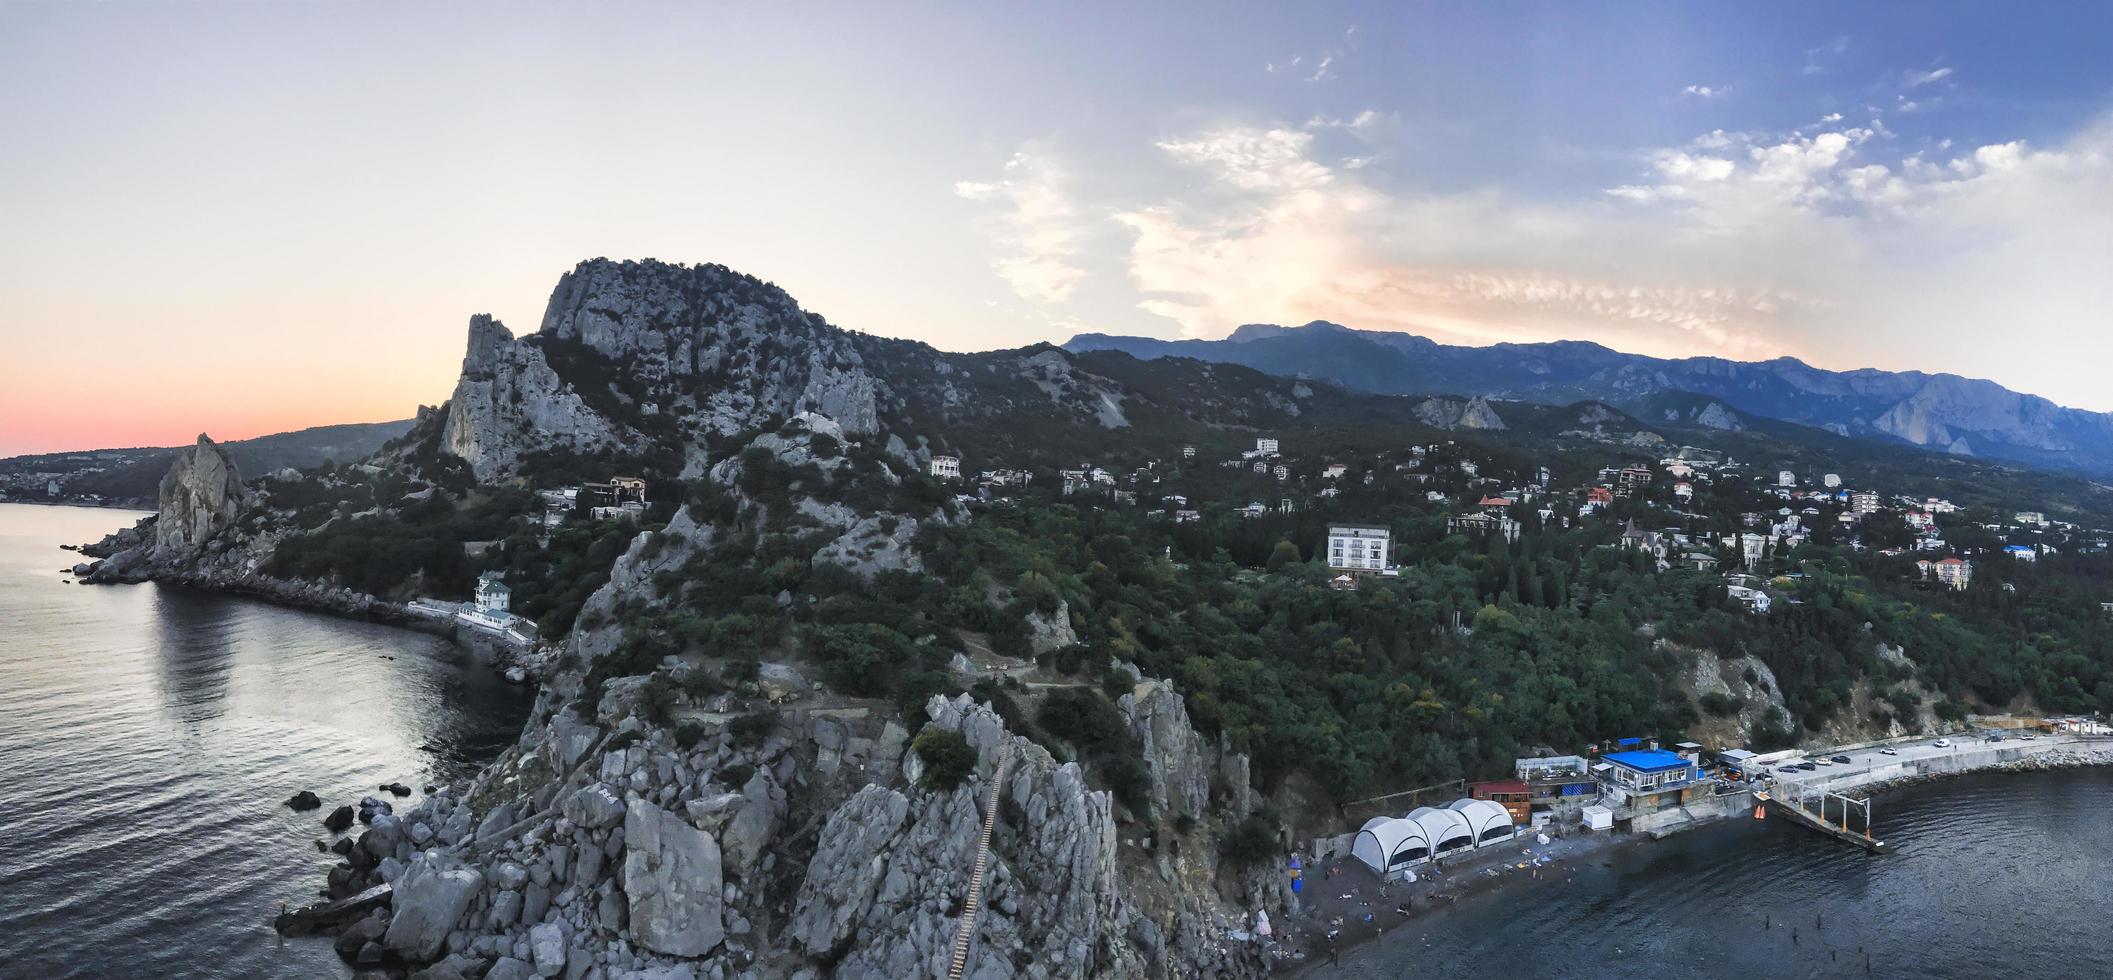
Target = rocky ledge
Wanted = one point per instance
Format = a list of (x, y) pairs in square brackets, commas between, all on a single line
[(616, 847)]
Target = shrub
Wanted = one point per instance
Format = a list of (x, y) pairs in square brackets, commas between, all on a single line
[(688, 734), (1250, 842), (948, 758), (749, 730), (1720, 704), (737, 776)]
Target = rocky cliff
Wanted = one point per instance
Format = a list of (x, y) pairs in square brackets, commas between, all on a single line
[(200, 498), (606, 846)]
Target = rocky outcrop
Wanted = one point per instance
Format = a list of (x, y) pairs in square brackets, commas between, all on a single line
[(201, 496), (508, 402), (1175, 769), (1051, 897), (874, 545), (1051, 632), (1457, 413)]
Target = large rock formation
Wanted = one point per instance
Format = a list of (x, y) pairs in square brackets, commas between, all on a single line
[(509, 401), (1179, 776), (201, 496), (672, 878), (887, 870), (701, 349)]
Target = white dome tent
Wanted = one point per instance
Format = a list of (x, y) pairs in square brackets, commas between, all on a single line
[(1389, 845), (1487, 819), (1447, 830), (1392, 845)]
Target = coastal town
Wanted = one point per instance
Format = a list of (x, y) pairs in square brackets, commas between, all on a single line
[(1695, 508)]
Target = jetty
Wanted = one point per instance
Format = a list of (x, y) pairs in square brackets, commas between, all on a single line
[(324, 915), (1799, 813)]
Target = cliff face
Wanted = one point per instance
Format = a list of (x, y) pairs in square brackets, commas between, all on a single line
[(633, 354), (508, 402), (818, 852), (200, 497)]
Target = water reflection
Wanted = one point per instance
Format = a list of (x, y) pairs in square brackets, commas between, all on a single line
[(191, 645)]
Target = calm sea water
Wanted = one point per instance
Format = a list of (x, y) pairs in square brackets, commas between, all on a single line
[(148, 736), (1997, 875)]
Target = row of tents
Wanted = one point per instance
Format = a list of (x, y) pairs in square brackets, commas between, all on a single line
[(1391, 846)]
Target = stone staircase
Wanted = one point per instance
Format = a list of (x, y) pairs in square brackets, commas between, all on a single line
[(974, 902)]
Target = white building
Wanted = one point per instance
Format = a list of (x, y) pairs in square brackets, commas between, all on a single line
[(1359, 547), (1831, 480), (1864, 502), (492, 594), (1266, 447), (1334, 471), (946, 467), (1786, 479), (2032, 517)]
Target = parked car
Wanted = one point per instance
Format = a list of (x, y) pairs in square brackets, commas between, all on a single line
[(1822, 762), (1942, 743), (1888, 751), (1843, 759), (2028, 736), (1786, 768), (1807, 766)]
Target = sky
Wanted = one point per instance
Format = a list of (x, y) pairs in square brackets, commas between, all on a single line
[(247, 218)]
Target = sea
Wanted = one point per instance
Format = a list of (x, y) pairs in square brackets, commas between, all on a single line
[(149, 736)]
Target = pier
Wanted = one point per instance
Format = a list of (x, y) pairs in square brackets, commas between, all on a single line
[(1797, 809)]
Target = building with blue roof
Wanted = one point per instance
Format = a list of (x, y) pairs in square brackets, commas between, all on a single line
[(1646, 779)]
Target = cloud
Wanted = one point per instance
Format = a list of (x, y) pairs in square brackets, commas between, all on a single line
[(1827, 244), (1819, 58), (1917, 79), (1706, 91), (1034, 225), (1280, 235)]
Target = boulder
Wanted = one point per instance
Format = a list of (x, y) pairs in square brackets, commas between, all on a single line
[(749, 834), (455, 967), (359, 934), (547, 942), (594, 807), (429, 898), (509, 968), (304, 801), (847, 867), (338, 820), (673, 878)]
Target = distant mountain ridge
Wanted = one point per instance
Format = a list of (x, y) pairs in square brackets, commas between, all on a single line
[(132, 474), (1943, 412)]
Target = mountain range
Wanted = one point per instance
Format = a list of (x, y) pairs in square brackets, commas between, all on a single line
[(1942, 412)]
